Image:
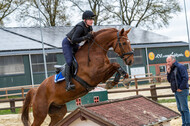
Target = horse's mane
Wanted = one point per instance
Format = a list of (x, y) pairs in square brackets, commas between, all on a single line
[(104, 30)]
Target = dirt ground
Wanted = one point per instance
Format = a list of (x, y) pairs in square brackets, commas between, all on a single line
[(14, 119)]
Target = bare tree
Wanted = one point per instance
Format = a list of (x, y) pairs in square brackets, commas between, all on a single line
[(145, 13), (53, 12), (95, 6), (7, 7)]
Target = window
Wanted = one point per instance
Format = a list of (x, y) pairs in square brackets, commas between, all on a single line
[(138, 58), (96, 99), (162, 69), (78, 101), (11, 65), (186, 65), (38, 62)]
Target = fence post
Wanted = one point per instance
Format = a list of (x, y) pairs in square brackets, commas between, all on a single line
[(12, 105), (136, 85), (153, 92), (6, 92), (22, 92)]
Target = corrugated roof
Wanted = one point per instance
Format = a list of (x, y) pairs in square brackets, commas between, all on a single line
[(11, 41), (27, 38)]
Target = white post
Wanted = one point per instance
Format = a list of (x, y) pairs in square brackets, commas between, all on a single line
[(44, 55), (187, 23), (31, 71), (147, 63)]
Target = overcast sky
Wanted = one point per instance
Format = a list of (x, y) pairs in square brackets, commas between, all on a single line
[(176, 30)]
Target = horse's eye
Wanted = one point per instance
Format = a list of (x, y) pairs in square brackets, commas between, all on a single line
[(124, 43)]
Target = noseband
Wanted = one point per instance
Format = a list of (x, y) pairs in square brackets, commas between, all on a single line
[(123, 53), (120, 46)]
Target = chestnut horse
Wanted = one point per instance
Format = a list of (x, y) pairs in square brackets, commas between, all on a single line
[(50, 98)]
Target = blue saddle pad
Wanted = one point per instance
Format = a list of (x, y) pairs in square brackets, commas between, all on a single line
[(61, 75)]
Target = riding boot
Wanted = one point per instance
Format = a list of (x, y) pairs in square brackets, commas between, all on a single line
[(69, 86)]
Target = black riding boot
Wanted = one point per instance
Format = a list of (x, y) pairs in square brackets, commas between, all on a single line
[(68, 78)]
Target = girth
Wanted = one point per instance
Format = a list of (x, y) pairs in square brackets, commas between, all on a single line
[(83, 83)]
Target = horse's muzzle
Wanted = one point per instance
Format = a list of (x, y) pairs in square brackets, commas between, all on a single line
[(128, 62)]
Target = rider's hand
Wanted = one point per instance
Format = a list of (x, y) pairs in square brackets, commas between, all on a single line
[(88, 36)]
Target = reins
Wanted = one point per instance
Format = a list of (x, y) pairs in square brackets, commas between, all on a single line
[(118, 42), (121, 48)]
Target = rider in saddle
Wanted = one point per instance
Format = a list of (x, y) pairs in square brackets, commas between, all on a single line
[(81, 32)]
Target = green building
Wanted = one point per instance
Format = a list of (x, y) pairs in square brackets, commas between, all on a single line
[(21, 55)]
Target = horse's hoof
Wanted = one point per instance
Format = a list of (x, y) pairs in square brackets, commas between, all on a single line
[(126, 83), (109, 85)]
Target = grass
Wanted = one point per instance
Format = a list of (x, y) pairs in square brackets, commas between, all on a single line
[(10, 97), (169, 100), (4, 112)]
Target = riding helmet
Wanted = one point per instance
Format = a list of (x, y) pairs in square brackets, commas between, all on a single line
[(88, 15)]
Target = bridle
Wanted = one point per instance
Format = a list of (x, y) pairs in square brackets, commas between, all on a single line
[(123, 53)]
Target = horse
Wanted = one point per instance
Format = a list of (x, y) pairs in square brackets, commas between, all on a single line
[(93, 67)]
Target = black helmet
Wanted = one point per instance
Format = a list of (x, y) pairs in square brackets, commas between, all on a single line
[(88, 15)]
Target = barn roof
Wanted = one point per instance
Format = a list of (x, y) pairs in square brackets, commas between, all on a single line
[(133, 111), (29, 38)]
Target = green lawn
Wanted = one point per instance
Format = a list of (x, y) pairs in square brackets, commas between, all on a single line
[(169, 100), (4, 112)]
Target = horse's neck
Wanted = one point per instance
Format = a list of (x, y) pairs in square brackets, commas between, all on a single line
[(103, 42)]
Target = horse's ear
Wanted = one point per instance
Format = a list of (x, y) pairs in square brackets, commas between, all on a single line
[(121, 32), (126, 32)]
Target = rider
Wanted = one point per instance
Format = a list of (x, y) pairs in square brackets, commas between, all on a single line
[(81, 32)]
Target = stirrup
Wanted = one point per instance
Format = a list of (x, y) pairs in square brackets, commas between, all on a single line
[(70, 87)]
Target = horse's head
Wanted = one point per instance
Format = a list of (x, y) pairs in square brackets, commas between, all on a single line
[(122, 46)]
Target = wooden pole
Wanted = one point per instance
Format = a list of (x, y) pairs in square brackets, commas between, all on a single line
[(22, 92), (136, 85), (153, 92), (12, 105)]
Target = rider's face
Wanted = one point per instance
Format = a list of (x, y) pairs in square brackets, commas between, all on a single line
[(89, 22)]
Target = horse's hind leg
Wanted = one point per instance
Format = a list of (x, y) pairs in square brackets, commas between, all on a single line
[(57, 113), (40, 111)]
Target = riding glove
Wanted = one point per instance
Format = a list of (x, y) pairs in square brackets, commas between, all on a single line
[(88, 36)]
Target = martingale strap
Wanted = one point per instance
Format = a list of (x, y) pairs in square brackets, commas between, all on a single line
[(83, 83)]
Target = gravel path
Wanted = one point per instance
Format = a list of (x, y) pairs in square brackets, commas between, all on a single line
[(14, 119)]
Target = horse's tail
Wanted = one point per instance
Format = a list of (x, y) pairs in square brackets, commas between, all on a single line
[(26, 105)]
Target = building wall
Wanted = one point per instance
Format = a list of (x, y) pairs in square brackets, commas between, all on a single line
[(17, 79), (157, 58), (12, 80)]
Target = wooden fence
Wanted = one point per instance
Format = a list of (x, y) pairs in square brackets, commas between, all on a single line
[(153, 90)]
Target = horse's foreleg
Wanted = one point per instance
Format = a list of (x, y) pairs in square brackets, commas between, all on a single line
[(57, 113), (120, 71), (110, 70)]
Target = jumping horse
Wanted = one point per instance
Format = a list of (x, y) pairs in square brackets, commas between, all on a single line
[(50, 98)]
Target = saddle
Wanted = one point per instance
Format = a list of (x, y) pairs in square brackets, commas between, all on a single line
[(60, 75), (60, 71)]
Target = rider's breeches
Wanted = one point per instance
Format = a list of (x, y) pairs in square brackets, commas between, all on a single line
[(69, 50)]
